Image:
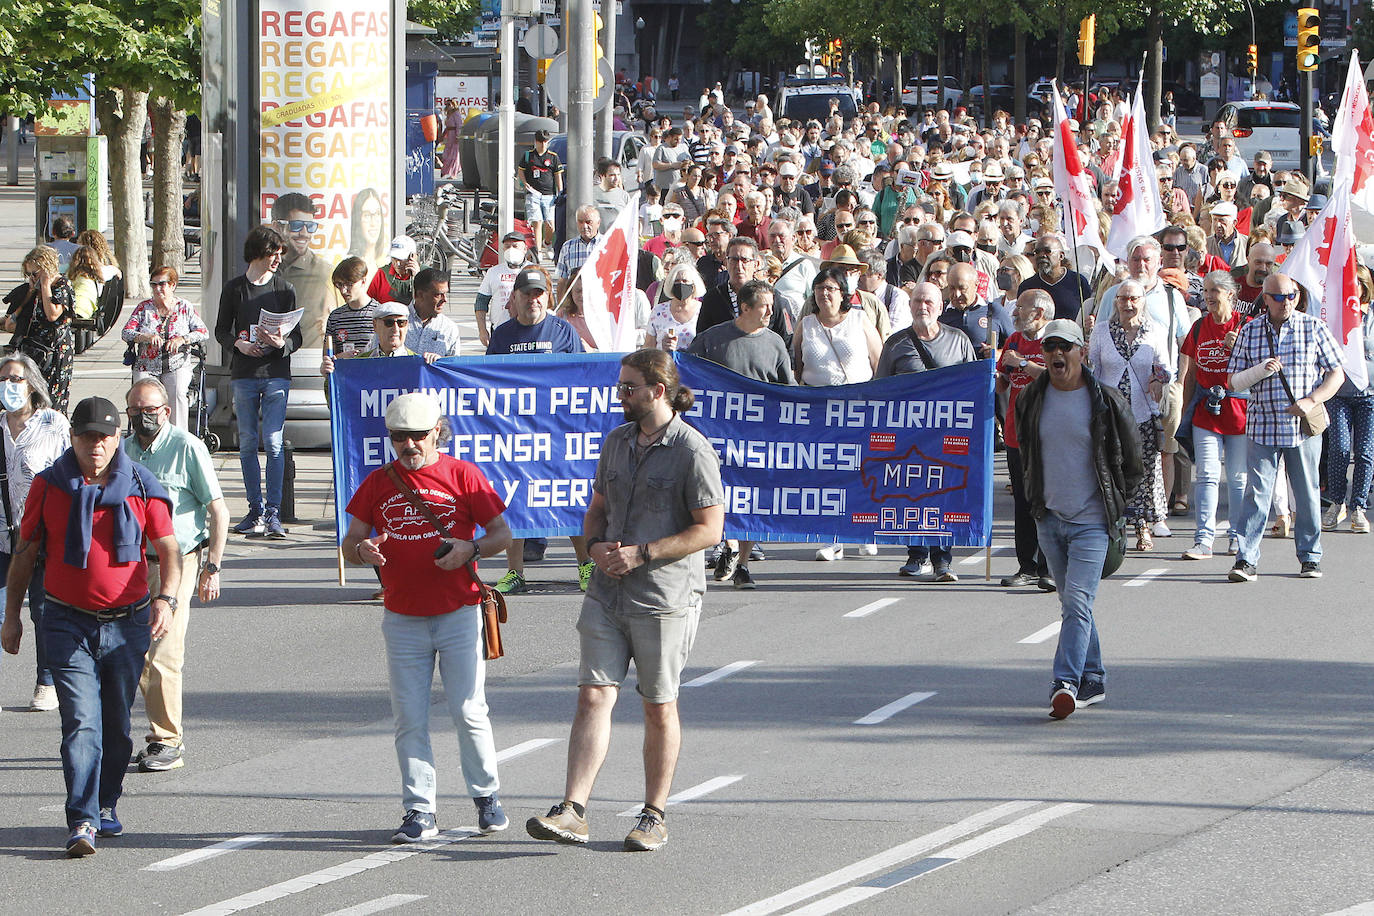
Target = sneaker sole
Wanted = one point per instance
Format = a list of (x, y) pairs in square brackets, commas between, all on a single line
[(1061, 705), (1091, 701), (102, 832), (80, 848), (494, 828), (542, 831), (148, 767), (745, 586), (1310, 575), (641, 846), (1237, 576), (430, 834)]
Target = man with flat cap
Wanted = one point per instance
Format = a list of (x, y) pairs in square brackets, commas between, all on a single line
[(494, 292), (89, 515)]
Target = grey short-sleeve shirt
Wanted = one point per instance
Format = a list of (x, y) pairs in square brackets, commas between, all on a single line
[(651, 499)]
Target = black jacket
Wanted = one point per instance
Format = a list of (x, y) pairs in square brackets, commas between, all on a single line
[(716, 308), (1115, 437)]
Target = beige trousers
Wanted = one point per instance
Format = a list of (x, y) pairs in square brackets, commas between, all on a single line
[(161, 681)]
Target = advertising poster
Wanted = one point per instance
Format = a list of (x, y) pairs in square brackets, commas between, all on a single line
[(470, 92), (324, 83)]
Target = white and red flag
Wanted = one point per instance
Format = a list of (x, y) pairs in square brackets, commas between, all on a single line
[(1353, 141), (1138, 210), (1324, 259), (608, 284), (1073, 185)]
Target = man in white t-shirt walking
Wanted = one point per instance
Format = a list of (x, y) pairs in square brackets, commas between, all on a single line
[(497, 282)]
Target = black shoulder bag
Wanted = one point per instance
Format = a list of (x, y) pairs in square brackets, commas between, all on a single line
[(921, 348)]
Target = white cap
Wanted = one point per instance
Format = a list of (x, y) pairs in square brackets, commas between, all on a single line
[(1225, 209), (414, 411), (391, 310), (959, 240), (402, 247)]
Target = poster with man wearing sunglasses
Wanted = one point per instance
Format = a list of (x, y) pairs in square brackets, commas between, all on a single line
[(293, 215)]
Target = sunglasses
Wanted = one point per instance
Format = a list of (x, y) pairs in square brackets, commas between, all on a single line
[(841, 227), (868, 222), (1282, 297), (406, 435), (296, 225), (1182, 246), (1227, 184), (395, 322), (158, 284), (1056, 345)]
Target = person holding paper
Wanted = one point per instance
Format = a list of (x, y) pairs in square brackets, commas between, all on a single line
[(260, 365)]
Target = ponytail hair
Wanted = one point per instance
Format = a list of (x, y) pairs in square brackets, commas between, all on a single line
[(658, 368)]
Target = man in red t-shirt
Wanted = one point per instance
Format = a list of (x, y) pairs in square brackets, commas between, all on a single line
[(432, 603), (1022, 361), (91, 511)]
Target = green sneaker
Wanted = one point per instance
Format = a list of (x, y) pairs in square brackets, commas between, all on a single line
[(511, 583), (584, 574)]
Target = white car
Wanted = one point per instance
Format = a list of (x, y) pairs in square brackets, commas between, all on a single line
[(922, 93), (1272, 126)]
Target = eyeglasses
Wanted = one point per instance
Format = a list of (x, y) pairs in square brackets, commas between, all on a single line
[(625, 389), (843, 227), (1282, 297), (407, 435), (11, 378), (145, 411), (1180, 246), (935, 273), (830, 288), (296, 225), (1055, 344), (868, 222), (395, 322), (1227, 184), (695, 244), (736, 259), (159, 284), (1127, 298), (802, 231)]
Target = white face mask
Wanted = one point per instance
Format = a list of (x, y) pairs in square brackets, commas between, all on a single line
[(513, 257), (14, 395)]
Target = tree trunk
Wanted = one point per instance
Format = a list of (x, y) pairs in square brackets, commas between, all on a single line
[(169, 130), (122, 113), (939, 57), (1018, 74), (1154, 70)]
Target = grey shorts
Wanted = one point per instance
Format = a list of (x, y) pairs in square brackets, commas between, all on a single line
[(658, 643)]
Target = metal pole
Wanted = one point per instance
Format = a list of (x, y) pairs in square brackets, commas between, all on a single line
[(505, 196), (1306, 83), (581, 90), (605, 134), (14, 151)]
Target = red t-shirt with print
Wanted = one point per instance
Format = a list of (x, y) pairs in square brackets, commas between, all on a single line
[(461, 497), (1018, 379), (1205, 345)]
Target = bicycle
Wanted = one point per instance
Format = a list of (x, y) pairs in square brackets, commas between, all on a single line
[(434, 227)]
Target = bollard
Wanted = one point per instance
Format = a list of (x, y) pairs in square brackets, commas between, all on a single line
[(287, 510)]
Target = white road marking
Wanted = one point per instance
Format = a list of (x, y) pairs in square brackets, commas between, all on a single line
[(390, 901), (1042, 634), (210, 852), (948, 856), (1359, 909), (686, 795), (980, 556), (329, 875), (883, 713), (524, 747), (711, 677), (1146, 577), (872, 606), (886, 859)]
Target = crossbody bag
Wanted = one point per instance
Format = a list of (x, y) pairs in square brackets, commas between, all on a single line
[(493, 602), (1313, 422)]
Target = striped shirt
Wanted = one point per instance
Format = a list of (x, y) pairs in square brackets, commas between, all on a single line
[(1307, 351), (351, 328), (572, 256)]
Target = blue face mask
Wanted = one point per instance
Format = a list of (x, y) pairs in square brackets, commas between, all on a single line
[(14, 395)]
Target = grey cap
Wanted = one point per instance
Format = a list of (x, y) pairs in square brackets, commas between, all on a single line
[(1063, 329)]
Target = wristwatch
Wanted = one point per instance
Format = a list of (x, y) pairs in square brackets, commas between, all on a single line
[(210, 568), (171, 601), (1023, 364)]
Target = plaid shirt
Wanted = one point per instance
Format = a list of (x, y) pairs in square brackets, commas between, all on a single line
[(1307, 351), (572, 256)]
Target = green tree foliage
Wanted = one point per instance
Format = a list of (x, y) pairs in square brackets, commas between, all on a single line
[(450, 18)]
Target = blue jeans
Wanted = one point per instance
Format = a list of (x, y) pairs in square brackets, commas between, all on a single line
[(1209, 447), (1075, 553), (412, 645), (44, 676), (95, 667), (939, 557), (1351, 435), (267, 395), (1301, 462)]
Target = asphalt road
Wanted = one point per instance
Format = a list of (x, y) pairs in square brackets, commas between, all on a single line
[(860, 741)]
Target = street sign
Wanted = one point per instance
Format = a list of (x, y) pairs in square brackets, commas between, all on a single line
[(540, 42), (556, 82)]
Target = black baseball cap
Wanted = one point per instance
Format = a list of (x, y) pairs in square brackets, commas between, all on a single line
[(530, 279), (95, 415)]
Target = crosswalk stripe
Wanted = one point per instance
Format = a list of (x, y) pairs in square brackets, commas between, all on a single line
[(686, 795)]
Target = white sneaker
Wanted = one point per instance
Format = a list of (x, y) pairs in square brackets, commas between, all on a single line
[(44, 698), (831, 552), (1359, 522), (1198, 552), (868, 550), (1160, 530), (1333, 516)]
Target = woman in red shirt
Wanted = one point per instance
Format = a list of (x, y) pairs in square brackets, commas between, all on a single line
[(1219, 415)]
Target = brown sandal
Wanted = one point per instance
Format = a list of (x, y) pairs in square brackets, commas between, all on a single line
[(1143, 539)]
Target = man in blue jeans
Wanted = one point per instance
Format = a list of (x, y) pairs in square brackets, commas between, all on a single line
[(89, 514), (260, 366), (1084, 433)]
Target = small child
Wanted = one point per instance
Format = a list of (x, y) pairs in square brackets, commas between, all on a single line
[(650, 213)]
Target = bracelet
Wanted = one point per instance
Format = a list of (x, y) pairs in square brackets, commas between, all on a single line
[(592, 542), (476, 549), (358, 552), (644, 554)]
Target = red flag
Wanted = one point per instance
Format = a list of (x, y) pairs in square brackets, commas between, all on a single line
[(1073, 184), (608, 284), (1139, 210)]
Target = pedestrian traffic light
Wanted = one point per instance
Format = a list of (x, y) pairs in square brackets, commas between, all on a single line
[(1087, 39), (1252, 59), (1309, 39), (541, 69), (1314, 145), (598, 82)]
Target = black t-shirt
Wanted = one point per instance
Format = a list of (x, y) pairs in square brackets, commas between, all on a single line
[(1069, 293), (539, 169)]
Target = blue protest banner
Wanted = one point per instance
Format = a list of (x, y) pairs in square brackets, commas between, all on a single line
[(906, 459)]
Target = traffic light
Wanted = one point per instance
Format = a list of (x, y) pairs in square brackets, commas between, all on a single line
[(1252, 59), (834, 55), (598, 82), (1087, 39), (1314, 145), (1309, 39), (541, 69)]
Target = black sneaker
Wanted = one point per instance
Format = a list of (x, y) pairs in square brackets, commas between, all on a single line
[(741, 578), (712, 555), (1091, 693), (415, 826), (726, 565), (491, 817), (271, 524), (1310, 570), (158, 757), (1063, 699), (1243, 572), (756, 553), (1019, 580), (249, 522)]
